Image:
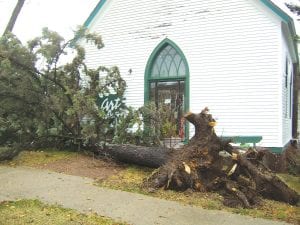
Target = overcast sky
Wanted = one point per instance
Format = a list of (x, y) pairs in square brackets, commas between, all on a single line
[(60, 15)]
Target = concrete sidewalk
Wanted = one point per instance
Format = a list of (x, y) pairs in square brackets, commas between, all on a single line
[(80, 194)]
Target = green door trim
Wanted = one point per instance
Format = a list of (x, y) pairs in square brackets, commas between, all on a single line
[(186, 79)]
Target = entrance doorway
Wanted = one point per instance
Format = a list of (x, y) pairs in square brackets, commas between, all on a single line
[(167, 84)]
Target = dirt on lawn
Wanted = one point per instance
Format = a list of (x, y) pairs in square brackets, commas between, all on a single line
[(73, 163), (85, 166)]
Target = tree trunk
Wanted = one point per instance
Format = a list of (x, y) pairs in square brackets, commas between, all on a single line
[(145, 156), (14, 17), (7, 153)]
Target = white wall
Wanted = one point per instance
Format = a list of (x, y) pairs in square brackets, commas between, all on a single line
[(232, 47)]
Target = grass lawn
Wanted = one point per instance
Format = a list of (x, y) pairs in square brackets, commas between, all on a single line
[(291, 181), (34, 212), (42, 157), (130, 178)]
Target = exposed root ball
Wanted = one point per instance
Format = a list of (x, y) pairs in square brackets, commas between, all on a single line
[(208, 163)]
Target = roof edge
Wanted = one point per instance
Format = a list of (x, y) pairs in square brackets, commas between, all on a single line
[(287, 19), (94, 13), (277, 10), (270, 4)]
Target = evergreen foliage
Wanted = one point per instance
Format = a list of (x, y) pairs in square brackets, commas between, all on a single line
[(294, 8), (48, 94)]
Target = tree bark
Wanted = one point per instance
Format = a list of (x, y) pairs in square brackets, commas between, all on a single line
[(14, 16), (145, 156), (268, 184), (7, 153)]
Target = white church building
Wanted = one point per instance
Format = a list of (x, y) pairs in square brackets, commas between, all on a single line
[(237, 57)]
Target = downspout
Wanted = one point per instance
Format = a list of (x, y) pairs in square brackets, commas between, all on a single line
[(296, 90)]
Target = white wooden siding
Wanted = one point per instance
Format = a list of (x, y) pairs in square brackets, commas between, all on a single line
[(233, 49)]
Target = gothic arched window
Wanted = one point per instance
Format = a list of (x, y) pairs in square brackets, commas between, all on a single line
[(167, 83)]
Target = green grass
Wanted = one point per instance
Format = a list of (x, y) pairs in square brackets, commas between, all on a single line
[(292, 181), (34, 212), (4, 149), (130, 179), (40, 157)]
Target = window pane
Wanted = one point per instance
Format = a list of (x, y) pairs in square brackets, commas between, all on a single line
[(172, 52), (181, 70), (164, 70), (159, 60), (170, 97), (166, 92), (155, 71), (152, 91), (167, 49), (172, 69), (177, 60), (168, 63)]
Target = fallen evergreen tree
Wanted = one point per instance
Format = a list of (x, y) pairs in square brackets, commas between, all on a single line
[(208, 163)]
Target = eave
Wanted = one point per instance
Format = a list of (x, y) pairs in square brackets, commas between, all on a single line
[(94, 13), (288, 20)]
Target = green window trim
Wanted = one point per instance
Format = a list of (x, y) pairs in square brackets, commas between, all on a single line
[(148, 76)]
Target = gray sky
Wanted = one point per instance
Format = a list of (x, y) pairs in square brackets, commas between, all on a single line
[(60, 15)]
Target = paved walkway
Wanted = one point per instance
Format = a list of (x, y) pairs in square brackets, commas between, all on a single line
[(80, 194)]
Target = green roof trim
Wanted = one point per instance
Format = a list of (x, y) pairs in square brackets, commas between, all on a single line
[(94, 13), (287, 19), (284, 16)]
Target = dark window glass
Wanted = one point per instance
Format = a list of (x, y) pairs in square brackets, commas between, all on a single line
[(169, 95)]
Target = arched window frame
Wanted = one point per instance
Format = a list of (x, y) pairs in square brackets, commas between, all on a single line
[(186, 78)]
